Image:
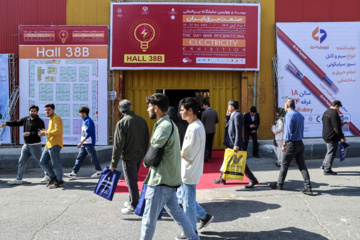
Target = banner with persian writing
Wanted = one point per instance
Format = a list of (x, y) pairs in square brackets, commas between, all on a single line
[(317, 64)]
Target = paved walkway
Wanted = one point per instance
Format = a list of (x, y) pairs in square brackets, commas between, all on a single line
[(31, 211)]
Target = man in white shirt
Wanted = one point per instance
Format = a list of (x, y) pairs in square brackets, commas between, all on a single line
[(192, 164)]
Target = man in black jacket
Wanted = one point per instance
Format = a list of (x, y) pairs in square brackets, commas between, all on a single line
[(251, 125), (332, 134), (32, 142), (233, 138)]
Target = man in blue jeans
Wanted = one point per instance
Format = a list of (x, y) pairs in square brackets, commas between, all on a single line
[(53, 146), (32, 142), (164, 179), (86, 145)]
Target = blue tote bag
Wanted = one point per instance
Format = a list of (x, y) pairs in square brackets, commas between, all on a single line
[(140, 207), (107, 183)]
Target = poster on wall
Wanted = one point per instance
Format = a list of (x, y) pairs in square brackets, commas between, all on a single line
[(317, 64), (186, 36), (67, 66), (4, 96)]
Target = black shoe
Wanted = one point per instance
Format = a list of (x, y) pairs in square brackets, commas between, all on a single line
[(307, 191), (278, 164), (205, 222), (252, 183), (219, 181), (57, 184), (51, 182), (330, 172), (182, 236), (206, 159), (275, 186)]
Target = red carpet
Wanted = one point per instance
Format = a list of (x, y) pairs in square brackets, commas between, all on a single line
[(211, 171)]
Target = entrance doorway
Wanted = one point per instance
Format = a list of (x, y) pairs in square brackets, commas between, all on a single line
[(176, 95)]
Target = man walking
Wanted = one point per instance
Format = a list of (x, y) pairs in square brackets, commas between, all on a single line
[(86, 145), (209, 118), (54, 143), (251, 125), (332, 134), (131, 139), (233, 138), (32, 142), (293, 147), (164, 179), (192, 164)]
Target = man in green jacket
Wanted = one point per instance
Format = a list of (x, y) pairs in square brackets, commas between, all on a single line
[(131, 140), (164, 179)]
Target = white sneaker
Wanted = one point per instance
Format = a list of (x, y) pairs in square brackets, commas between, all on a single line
[(127, 204), (128, 210), (45, 179), (70, 175), (15, 182), (96, 175)]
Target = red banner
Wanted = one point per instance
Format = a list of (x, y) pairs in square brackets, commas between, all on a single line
[(63, 35), (185, 36)]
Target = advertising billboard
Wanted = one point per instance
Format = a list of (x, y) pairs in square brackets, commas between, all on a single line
[(317, 64), (4, 96), (67, 66), (185, 36)]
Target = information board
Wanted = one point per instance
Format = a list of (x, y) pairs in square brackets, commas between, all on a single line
[(185, 36), (4, 96), (319, 63), (67, 66)]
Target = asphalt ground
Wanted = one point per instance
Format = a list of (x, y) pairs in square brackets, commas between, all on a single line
[(32, 211)]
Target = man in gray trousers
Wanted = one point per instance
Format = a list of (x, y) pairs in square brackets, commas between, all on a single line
[(131, 140), (332, 134)]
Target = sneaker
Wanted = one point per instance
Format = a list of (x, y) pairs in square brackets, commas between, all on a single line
[(127, 204), (274, 185), (51, 182), (128, 210), (182, 236), (70, 175), (96, 175), (330, 172), (57, 184), (307, 191), (15, 182), (45, 179), (205, 222)]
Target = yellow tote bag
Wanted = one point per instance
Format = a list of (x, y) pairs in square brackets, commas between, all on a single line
[(234, 165)]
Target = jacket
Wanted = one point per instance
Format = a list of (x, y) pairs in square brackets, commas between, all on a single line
[(169, 170), (55, 132), (209, 118), (248, 121), (131, 138), (332, 129), (233, 130), (30, 125), (278, 130)]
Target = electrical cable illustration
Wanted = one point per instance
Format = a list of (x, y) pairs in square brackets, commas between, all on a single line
[(306, 58), (292, 68)]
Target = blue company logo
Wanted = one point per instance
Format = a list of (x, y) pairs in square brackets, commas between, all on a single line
[(315, 35)]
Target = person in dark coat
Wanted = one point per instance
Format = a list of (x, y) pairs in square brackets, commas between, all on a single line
[(174, 116), (251, 125)]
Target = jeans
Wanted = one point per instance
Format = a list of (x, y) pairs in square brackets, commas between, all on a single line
[(158, 197), (26, 152), (187, 195), (52, 154), (294, 150), (209, 144), (330, 155), (84, 151), (130, 170)]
